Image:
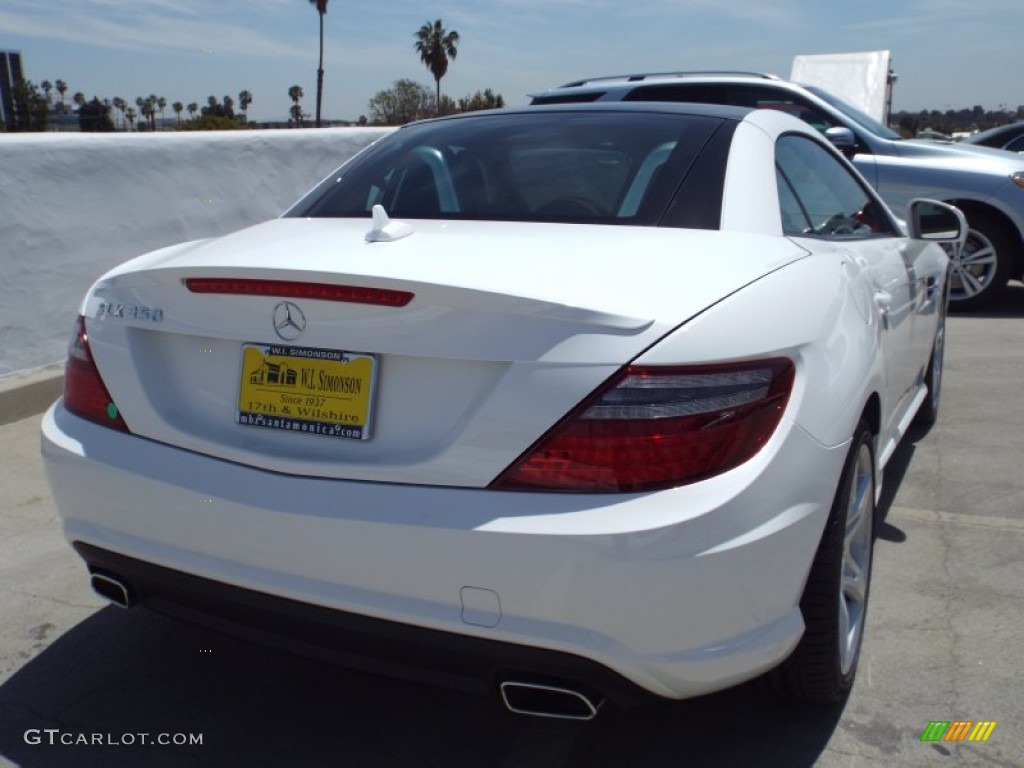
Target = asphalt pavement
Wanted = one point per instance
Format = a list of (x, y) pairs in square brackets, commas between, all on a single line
[(943, 641)]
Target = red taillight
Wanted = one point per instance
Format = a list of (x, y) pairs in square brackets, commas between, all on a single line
[(295, 290), (654, 427), (85, 394)]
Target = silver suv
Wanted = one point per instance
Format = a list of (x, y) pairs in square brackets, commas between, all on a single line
[(986, 184)]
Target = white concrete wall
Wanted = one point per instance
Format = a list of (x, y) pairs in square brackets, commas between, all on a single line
[(74, 205)]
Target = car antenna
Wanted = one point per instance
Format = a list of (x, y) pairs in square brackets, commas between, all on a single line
[(385, 230)]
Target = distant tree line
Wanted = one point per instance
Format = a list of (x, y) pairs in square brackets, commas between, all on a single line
[(407, 100), (35, 109), (435, 45), (952, 121)]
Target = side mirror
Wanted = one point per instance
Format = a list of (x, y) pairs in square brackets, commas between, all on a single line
[(936, 222), (842, 138)]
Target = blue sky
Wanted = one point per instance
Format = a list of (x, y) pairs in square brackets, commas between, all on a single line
[(948, 53)]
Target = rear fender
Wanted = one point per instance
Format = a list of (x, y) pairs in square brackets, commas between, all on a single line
[(808, 312)]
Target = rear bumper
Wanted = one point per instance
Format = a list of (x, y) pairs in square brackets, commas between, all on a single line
[(432, 657), (677, 592)]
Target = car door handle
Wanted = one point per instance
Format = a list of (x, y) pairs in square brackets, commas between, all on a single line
[(883, 300)]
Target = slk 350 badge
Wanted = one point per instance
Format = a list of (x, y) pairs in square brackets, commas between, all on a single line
[(130, 312)]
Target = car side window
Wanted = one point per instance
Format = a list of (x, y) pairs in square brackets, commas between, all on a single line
[(820, 197)]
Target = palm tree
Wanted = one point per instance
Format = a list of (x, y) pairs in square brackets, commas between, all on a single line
[(192, 108), (321, 8), (62, 88), (141, 104), (177, 107), (147, 108), (436, 45), (244, 100), (162, 104), (120, 105), (295, 93), (130, 115), (47, 87), (78, 99)]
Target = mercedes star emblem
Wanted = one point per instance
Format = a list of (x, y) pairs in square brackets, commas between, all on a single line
[(289, 322)]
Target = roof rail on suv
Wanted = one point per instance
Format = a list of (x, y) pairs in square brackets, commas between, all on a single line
[(640, 77)]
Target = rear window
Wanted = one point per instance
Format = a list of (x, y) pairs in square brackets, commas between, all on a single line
[(567, 98), (752, 96), (1017, 145), (593, 167)]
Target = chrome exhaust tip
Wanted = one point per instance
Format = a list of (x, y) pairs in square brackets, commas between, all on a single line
[(548, 701), (111, 588)]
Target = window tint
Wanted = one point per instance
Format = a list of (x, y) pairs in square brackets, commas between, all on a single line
[(595, 167), (819, 196)]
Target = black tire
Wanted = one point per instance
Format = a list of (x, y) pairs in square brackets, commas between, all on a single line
[(822, 667), (928, 413), (983, 269)]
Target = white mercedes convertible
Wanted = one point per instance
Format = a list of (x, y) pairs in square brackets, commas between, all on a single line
[(573, 404)]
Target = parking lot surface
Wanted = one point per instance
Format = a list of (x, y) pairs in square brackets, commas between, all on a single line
[(943, 640)]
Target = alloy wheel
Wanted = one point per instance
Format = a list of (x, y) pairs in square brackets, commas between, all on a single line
[(975, 267), (856, 566)]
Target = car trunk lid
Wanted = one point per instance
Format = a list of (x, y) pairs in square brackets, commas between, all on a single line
[(507, 328)]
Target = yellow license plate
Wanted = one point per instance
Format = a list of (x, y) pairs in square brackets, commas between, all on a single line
[(305, 390)]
